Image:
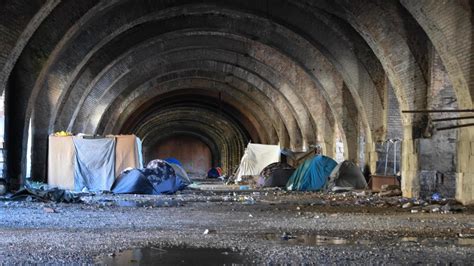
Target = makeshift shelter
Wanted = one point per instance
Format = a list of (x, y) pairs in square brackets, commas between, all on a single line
[(346, 175), (78, 163), (257, 157), (173, 160), (158, 178), (94, 168), (134, 181), (181, 173), (165, 180), (275, 175), (128, 153), (312, 175), (214, 173), (61, 161)]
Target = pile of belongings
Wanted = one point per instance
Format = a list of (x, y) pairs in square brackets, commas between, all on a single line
[(255, 158), (62, 134), (49, 194), (159, 177), (346, 176), (214, 172), (312, 175), (275, 175)]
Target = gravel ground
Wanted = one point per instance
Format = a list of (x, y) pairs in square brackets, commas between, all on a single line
[(328, 228)]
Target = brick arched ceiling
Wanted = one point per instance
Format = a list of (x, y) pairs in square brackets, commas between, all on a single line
[(292, 72)]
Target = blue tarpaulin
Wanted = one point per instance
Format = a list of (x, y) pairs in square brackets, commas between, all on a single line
[(95, 164), (312, 175)]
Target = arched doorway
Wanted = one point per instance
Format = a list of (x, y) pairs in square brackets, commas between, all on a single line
[(192, 152)]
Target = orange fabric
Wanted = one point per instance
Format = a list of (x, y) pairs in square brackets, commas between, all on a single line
[(61, 162)]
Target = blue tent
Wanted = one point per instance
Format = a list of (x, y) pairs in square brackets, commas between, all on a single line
[(213, 173), (312, 174), (133, 182), (158, 178), (173, 160)]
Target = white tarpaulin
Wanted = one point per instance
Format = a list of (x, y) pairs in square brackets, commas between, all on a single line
[(256, 158)]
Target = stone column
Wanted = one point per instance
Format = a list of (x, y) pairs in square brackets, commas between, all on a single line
[(465, 166), (371, 157), (410, 168)]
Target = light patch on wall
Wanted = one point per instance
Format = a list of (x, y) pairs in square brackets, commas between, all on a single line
[(55, 83), (96, 116)]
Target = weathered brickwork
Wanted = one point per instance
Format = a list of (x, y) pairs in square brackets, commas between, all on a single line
[(300, 73)]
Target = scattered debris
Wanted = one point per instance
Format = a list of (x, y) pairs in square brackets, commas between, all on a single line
[(53, 194), (432, 208), (391, 193), (450, 208), (3, 187), (287, 236), (248, 200), (208, 231), (388, 190), (49, 210), (436, 197)]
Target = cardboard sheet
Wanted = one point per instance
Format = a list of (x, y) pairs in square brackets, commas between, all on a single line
[(126, 153)]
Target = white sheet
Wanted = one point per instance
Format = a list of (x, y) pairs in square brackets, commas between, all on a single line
[(257, 157)]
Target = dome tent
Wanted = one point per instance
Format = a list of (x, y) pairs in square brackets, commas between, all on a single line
[(214, 172), (159, 177), (346, 175), (173, 160), (181, 173), (312, 175)]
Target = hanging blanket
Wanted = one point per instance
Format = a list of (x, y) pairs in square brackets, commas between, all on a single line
[(95, 164)]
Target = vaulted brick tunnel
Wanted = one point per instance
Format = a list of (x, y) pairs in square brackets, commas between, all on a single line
[(300, 73)]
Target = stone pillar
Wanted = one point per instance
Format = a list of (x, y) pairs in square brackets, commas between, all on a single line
[(371, 156), (465, 166), (329, 148), (410, 168), (15, 138)]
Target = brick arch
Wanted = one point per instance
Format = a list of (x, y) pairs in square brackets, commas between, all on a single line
[(372, 34), (200, 88), (229, 135)]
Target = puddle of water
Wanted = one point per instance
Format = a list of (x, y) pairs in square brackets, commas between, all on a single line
[(320, 240), (151, 203), (174, 256), (439, 241), (135, 203), (466, 241), (308, 239)]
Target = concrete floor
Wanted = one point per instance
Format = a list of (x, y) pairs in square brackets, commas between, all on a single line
[(326, 228)]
